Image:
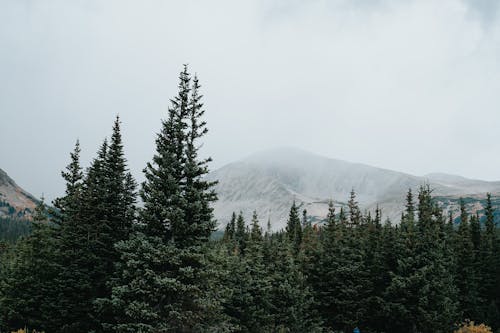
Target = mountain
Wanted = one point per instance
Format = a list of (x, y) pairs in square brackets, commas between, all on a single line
[(269, 182), (14, 201)]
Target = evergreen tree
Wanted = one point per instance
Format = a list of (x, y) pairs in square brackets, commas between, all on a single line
[(69, 205), (466, 267), (240, 234), (305, 220), (27, 288), (109, 201), (475, 234), (309, 257), (169, 259), (409, 215), (344, 283), (121, 189), (342, 216), (402, 293), (294, 228), (249, 305), (490, 268), (438, 304), (354, 211), (256, 231), (377, 267), (292, 301), (421, 295), (229, 233), (73, 255), (331, 221), (198, 224)]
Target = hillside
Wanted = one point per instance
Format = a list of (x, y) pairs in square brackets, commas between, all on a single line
[(14, 201), (269, 181)]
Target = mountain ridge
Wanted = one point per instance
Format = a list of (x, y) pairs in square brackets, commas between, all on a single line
[(14, 201), (269, 181)]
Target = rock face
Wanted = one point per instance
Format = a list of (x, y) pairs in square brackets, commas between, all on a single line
[(269, 182), (14, 201)]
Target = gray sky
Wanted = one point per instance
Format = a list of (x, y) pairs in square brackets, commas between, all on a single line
[(405, 85)]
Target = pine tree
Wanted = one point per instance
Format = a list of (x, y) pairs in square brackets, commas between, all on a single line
[(256, 231), (95, 218), (342, 216), (409, 215), (354, 211), (344, 283), (475, 234), (422, 295), (121, 188), (68, 205), (292, 301), (331, 220), (169, 258), (28, 288), (310, 252), (294, 228), (267, 234), (249, 305), (490, 268), (229, 233), (109, 201), (199, 193), (305, 220), (401, 294), (73, 255), (377, 267), (466, 267), (240, 234), (438, 305)]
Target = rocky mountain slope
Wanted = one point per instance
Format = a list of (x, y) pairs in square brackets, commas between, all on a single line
[(14, 201), (270, 181)]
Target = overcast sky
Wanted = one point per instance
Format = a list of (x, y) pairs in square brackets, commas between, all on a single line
[(407, 85)]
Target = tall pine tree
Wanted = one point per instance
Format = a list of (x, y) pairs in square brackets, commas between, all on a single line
[(168, 257)]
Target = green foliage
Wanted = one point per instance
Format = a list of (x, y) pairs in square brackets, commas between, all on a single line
[(173, 289), (344, 284), (26, 278), (167, 258), (422, 294), (294, 227), (267, 289), (11, 229)]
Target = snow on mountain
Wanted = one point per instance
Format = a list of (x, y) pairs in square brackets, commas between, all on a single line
[(269, 181)]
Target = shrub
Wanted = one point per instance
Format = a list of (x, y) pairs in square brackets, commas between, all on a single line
[(470, 327)]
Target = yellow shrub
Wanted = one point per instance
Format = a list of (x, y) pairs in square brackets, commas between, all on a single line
[(470, 327)]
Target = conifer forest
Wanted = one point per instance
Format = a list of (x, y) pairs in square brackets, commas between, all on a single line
[(112, 255)]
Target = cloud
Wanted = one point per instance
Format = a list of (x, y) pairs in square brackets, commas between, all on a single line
[(408, 85)]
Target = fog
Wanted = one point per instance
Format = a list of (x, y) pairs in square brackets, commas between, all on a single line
[(405, 85)]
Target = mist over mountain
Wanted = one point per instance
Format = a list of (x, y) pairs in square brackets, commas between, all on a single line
[(270, 181)]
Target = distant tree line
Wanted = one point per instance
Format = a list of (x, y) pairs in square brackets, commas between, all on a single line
[(97, 262), (13, 223), (13, 228)]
